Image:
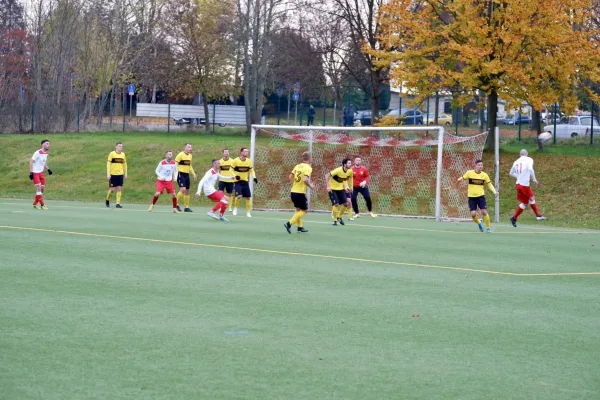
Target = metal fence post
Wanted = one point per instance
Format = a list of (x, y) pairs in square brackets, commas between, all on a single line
[(324, 110), (78, 114), (554, 140), (168, 118), (519, 121), (123, 103), (592, 130), (214, 112)]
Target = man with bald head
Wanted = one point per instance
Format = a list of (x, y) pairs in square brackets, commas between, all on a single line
[(522, 170)]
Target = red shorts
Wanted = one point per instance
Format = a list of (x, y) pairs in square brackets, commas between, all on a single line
[(39, 178), (162, 185), (524, 194), (216, 196)]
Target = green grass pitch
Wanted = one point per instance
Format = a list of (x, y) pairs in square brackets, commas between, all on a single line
[(102, 303)]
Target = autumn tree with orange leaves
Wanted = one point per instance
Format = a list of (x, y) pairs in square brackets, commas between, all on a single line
[(519, 50)]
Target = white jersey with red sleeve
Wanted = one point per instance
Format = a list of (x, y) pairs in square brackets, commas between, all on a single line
[(166, 170), (522, 169), (208, 182), (40, 158)]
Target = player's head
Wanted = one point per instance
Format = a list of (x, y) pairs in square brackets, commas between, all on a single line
[(169, 155), (358, 161), (225, 154), (244, 152), (216, 164), (45, 144), (347, 163), (478, 166), (187, 149), (524, 153), (306, 157), (119, 147)]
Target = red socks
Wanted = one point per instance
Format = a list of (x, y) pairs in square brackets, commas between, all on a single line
[(154, 200), (223, 208), (174, 199), (535, 210), (518, 212)]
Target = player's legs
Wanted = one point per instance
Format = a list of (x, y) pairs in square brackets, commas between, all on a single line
[(342, 204), (301, 204), (248, 196), (354, 200), (473, 204), (118, 189), (334, 206), (535, 209)]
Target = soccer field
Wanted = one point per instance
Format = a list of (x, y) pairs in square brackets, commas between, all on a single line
[(111, 304)]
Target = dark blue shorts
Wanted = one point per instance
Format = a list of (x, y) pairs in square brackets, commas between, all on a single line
[(475, 202), (226, 187), (242, 188), (183, 180), (338, 197), (300, 201)]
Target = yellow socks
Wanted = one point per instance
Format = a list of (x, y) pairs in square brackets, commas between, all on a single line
[(248, 205), (297, 218), (334, 212), (350, 213), (118, 197), (186, 200), (237, 202), (476, 219), (486, 218), (342, 211), (108, 196), (179, 197)]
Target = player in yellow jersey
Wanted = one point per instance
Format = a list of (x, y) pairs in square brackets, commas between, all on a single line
[(242, 168), (339, 182), (116, 172), (184, 168), (226, 186), (477, 180), (300, 179)]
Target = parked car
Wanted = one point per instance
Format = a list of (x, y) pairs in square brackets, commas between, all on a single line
[(517, 119), (365, 117), (443, 119), (578, 125), (194, 121)]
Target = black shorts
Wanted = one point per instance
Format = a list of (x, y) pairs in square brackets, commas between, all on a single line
[(338, 197), (115, 181), (300, 201), (183, 180), (475, 202), (226, 187), (242, 188)]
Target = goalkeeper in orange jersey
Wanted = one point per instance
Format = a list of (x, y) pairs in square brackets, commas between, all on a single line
[(339, 182), (300, 179), (477, 180)]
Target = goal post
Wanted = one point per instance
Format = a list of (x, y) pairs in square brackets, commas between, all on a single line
[(413, 170)]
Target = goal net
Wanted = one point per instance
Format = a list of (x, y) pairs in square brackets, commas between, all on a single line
[(413, 170)]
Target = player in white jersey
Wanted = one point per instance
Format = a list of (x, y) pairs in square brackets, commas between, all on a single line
[(166, 171), (37, 165), (522, 170), (207, 184)]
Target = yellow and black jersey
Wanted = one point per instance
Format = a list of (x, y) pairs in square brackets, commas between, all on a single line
[(299, 172), (226, 169), (340, 179), (184, 163), (477, 183), (116, 164), (243, 169)]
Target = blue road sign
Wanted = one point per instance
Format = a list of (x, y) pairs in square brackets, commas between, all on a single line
[(131, 89), (296, 96), (22, 92)]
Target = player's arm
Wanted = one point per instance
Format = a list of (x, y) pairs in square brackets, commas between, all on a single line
[(125, 165), (462, 178), (533, 174), (292, 177), (158, 168), (31, 167), (192, 171), (366, 181), (199, 191), (253, 173), (233, 168), (350, 181), (489, 185), (513, 171), (328, 176), (108, 167), (175, 172), (307, 180), (226, 178)]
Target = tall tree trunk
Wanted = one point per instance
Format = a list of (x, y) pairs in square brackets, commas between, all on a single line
[(481, 111), (207, 120), (537, 126), (436, 108), (375, 96), (492, 119)]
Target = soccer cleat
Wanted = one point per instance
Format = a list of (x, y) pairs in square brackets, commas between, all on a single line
[(178, 208), (350, 219), (107, 203), (341, 221), (374, 215), (222, 218), (513, 221), (151, 208), (212, 215), (480, 227), (288, 227), (540, 218), (334, 223), (357, 215), (248, 215), (187, 209), (175, 211), (44, 208), (489, 230), (118, 206), (35, 207), (302, 230), (234, 212)]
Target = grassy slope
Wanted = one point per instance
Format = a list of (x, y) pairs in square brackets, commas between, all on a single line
[(568, 197)]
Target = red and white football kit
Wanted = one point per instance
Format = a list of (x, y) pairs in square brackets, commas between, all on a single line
[(522, 170), (165, 172), (207, 184), (40, 158)]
